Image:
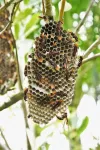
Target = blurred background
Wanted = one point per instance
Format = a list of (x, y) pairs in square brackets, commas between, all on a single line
[(17, 132)]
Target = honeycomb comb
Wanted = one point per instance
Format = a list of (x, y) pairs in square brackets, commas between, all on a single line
[(8, 74), (51, 71)]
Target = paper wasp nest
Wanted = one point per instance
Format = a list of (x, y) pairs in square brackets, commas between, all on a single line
[(51, 71), (7, 61)]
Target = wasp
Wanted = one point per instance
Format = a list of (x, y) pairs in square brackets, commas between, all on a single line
[(75, 49), (42, 40), (64, 116), (52, 53), (39, 56), (56, 66), (43, 17), (66, 66), (52, 63), (52, 86), (59, 24), (59, 38), (80, 61), (55, 104), (65, 62), (46, 19), (25, 93), (61, 93), (52, 94), (44, 80), (25, 71), (38, 75), (29, 116), (73, 35)]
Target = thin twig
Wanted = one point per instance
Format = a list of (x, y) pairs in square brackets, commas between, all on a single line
[(23, 104), (6, 6), (21, 88), (9, 23), (83, 20), (90, 49), (18, 68), (12, 15), (91, 58), (43, 8), (14, 99), (48, 7), (6, 27), (61, 14), (5, 140)]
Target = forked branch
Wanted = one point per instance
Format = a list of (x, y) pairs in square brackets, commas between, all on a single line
[(5, 140), (61, 14), (11, 20), (91, 48), (91, 58), (14, 99), (86, 14), (48, 7), (43, 7), (6, 6)]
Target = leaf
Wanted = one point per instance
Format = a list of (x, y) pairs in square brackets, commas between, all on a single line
[(26, 1), (83, 125), (22, 15), (16, 30), (33, 28), (34, 19)]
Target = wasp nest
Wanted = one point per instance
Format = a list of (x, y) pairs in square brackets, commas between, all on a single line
[(51, 71), (7, 61)]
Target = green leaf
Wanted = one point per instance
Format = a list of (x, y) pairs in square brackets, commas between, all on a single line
[(22, 15), (34, 19), (83, 125), (33, 28), (26, 1), (16, 30)]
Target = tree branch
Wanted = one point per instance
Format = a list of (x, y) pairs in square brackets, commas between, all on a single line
[(10, 21), (18, 69), (6, 27), (14, 99), (83, 20), (48, 7), (7, 145), (90, 49), (91, 58), (6, 5), (43, 7), (61, 14), (21, 88)]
